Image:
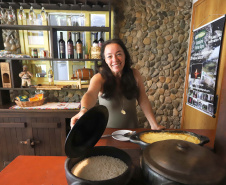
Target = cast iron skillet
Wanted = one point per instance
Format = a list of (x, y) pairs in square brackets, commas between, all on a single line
[(135, 138)]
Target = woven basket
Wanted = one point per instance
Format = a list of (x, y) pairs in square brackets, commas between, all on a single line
[(29, 103)]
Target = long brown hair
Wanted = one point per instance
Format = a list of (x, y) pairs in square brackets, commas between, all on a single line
[(128, 84)]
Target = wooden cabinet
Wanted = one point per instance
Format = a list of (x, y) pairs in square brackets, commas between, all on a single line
[(33, 132), (12, 131), (38, 132)]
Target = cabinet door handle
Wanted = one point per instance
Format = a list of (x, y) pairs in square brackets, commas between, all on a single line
[(33, 142), (30, 142)]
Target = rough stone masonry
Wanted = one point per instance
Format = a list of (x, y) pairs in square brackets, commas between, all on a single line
[(156, 33)]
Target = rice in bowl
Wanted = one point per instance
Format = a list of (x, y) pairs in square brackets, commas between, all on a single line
[(98, 168)]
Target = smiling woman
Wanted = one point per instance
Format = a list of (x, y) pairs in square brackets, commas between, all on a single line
[(115, 58), (118, 87)]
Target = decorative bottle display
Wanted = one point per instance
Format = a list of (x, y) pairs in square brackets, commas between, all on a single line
[(70, 48), (61, 46), (51, 76), (101, 40), (95, 49), (79, 47), (95, 41)]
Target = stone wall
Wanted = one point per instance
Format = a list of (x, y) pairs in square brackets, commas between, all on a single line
[(156, 33)]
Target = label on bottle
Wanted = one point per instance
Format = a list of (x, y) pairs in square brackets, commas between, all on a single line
[(100, 44), (79, 48), (95, 52), (62, 48), (95, 44), (70, 48), (50, 77)]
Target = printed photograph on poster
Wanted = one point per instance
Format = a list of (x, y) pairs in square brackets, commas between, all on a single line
[(204, 62), (196, 71)]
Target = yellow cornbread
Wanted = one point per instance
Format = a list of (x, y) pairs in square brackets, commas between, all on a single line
[(151, 137)]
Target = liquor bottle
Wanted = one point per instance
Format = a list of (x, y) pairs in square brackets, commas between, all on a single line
[(101, 40), (95, 41), (51, 76), (61, 46), (95, 49), (70, 48), (79, 47)]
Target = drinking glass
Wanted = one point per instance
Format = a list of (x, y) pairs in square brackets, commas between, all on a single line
[(2, 13), (43, 15), (21, 14), (32, 15), (11, 14), (81, 18), (69, 17)]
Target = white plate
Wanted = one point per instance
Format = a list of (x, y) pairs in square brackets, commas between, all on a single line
[(121, 137)]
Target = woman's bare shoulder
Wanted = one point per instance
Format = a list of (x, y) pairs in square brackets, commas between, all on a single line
[(97, 77), (96, 83), (135, 71), (136, 74)]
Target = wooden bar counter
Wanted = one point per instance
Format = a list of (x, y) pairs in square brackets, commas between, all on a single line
[(49, 170)]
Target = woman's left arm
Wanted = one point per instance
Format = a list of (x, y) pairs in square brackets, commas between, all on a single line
[(145, 104)]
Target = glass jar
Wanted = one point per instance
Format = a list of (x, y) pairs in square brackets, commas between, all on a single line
[(34, 53)]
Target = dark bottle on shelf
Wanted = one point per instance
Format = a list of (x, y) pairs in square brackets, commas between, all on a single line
[(61, 46), (101, 40), (79, 47), (70, 48), (95, 41)]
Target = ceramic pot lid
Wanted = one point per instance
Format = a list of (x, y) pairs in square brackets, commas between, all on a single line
[(86, 131), (184, 162)]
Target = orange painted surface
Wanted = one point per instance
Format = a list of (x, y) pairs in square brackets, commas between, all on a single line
[(34, 170)]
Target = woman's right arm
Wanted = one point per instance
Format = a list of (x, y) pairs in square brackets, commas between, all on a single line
[(89, 99)]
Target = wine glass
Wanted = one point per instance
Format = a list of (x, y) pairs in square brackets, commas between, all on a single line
[(2, 13), (11, 14), (81, 17), (32, 15), (43, 15), (69, 17), (21, 13)]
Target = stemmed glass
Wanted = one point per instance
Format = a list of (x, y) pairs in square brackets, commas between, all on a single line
[(43, 15), (21, 14), (81, 17), (32, 15), (69, 17), (11, 14), (2, 13)]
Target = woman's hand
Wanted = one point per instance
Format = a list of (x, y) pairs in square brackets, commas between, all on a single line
[(76, 117), (158, 127)]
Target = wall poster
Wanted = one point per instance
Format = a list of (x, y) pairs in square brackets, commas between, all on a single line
[(205, 52)]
